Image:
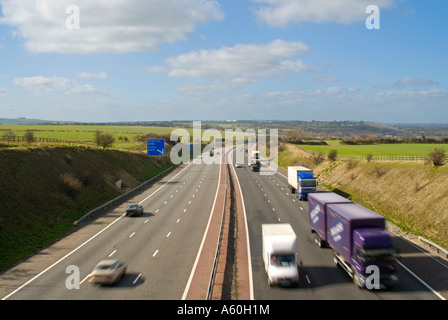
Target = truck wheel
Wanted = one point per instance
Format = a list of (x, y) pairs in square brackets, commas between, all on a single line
[(318, 240), (335, 261), (357, 280)]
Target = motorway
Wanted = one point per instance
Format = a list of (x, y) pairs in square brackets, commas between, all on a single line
[(161, 247), (268, 199)]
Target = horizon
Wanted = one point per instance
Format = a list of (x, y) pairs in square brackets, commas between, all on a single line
[(64, 122)]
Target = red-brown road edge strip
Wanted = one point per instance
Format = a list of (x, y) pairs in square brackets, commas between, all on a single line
[(200, 279)]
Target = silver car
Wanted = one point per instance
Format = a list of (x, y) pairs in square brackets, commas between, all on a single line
[(108, 271)]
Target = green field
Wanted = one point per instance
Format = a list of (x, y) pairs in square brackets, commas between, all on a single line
[(378, 149), (86, 133)]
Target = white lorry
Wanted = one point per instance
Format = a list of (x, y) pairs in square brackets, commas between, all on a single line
[(280, 254), (301, 181)]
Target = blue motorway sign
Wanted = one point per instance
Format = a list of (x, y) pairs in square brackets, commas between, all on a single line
[(156, 147)]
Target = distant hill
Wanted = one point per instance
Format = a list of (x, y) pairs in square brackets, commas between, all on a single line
[(25, 121), (317, 129)]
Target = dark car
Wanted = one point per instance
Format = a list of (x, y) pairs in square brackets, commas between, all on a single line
[(134, 210)]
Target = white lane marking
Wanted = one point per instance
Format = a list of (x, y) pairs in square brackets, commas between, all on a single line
[(421, 281), (155, 253), (307, 279), (169, 233), (82, 281), (136, 279), (132, 234), (112, 253)]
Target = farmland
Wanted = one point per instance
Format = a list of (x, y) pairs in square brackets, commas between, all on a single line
[(125, 136)]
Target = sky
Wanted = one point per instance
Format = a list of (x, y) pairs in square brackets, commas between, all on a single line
[(154, 60)]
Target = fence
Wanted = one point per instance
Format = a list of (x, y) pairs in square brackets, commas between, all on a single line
[(22, 139), (386, 158)]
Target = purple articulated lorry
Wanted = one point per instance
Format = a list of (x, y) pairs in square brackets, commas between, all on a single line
[(357, 235)]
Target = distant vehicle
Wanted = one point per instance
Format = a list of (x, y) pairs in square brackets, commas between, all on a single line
[(256, 166), (134, 209), (255, 155), (238, 165), (280, 254), (357, 236), (302, 181), (108, 271)]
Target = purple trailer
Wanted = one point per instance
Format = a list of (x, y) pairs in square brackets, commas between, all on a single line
[(357, 235), (317, 204)]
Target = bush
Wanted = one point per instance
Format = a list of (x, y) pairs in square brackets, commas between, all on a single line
[(29, 136), (351, 163), (318, 157), (380, 171), (332, 155), (104, 140), (437, 157)]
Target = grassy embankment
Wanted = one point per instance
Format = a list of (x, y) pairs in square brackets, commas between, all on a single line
[(45, 189), (412, 195)]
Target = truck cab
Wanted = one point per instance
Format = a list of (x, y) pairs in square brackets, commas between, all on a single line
[(280, 254), (282, 269), (306, 183), (302, 181), (373, 247)]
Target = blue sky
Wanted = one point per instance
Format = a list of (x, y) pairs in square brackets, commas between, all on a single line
[(145, 60)]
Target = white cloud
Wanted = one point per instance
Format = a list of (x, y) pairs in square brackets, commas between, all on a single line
[(88, 75), (116, 26), (279, 13), (40, 85), (240, 61)]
